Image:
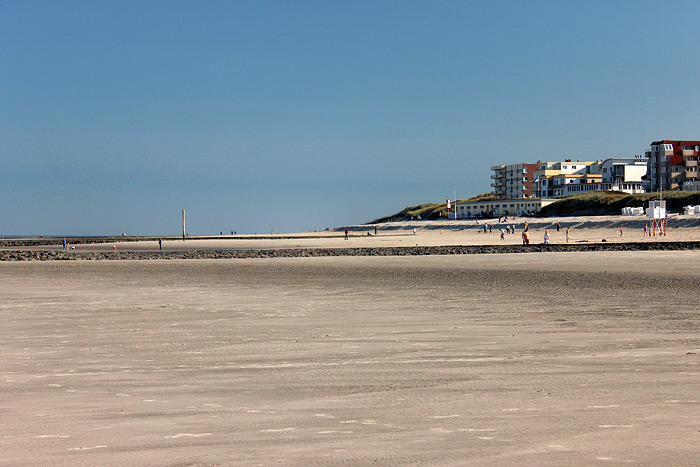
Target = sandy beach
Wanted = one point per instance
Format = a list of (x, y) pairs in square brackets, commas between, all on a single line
[(511, 359), (584, 230)]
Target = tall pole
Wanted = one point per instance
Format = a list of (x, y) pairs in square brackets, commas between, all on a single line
[(183, 225), (455, 203)]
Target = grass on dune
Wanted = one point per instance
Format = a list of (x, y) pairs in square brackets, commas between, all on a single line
[(612, 202), (593, 203)]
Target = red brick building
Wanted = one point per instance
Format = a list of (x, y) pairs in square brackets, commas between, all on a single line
[(671, 163)]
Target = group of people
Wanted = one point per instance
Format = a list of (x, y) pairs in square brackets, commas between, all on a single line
[(507, 229), (526, 233), (546, 238), (510, 229)]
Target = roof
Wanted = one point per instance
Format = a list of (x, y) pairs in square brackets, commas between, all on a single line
[(677, 157)]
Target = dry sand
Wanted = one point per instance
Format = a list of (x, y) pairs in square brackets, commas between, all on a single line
[(539, 359), (584, 229)]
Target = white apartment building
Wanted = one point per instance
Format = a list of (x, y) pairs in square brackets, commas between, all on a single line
[(555, 179)]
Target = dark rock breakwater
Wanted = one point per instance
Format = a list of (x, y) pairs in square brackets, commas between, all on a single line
[(43, 255)]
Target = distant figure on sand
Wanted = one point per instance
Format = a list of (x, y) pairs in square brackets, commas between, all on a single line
[(620, 231), (375, 230), (646, 227), (567, 235), (503, 233), (526, 237), (558, 226), (64, 244), (160, 243), (346, 233), (414, 230), (546, 237)]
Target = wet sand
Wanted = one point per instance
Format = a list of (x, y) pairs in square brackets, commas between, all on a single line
[(538, 359)]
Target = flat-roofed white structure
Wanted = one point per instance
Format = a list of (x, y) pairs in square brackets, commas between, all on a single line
[(500, 207)]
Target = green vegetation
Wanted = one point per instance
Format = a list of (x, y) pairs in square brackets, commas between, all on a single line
[(430, 211), (584, 204), (612, 202)]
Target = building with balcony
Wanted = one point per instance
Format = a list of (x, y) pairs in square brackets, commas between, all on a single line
[(513, 180), (554, 179), (670, 164)]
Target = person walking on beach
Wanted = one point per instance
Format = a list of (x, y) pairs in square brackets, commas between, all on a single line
[(160, 243), (65, 245), (375, 230), (503, 233), (620, 231), (558, 226), (526, 237), (414, 230), (567, 234), (546, 237), (346, 233)]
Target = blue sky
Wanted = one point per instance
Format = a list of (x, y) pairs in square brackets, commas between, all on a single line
[(294, 116)]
